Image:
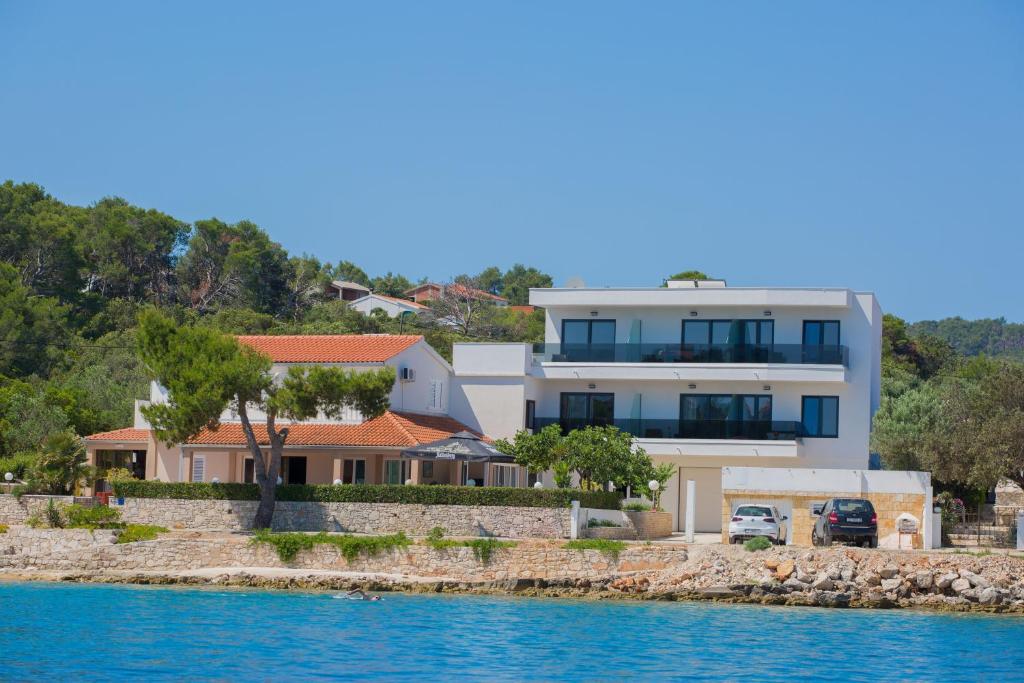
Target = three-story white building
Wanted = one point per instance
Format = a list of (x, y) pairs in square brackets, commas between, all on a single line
[(705, 376)]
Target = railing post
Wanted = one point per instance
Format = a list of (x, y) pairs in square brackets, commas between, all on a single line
[(574, 521), (691, 508)]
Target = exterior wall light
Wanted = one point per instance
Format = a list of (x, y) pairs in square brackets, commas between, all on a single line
[(767, 387), (693, 314), (767, 314), (693, 386), (591, 386), (594, 314)]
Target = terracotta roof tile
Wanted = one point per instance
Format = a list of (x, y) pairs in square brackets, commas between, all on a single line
[(126, 434), (331, 348), (390, 429)]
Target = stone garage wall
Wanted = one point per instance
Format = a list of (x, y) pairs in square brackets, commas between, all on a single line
[(365, 518)]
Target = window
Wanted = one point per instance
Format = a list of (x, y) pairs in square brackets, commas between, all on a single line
[(582, 409), (353, 471), (436, 395), (426, 470), (198, 468), (248, 471), (293, 469), (821, 333), (729, 332), (820, 416), (531, 415), (396, 471), (588, 340), (506, 475), (725, 416)]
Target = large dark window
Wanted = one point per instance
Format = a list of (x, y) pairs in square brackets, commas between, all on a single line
[(820, 416), (588, 340), (530, 419), (719, 416), (821, 332), (582, 409), (729, 332)]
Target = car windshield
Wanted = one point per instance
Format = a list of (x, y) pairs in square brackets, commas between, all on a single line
[(752, 511), (852, 507)]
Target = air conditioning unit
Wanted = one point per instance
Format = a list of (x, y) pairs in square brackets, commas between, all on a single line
[(407, 375)]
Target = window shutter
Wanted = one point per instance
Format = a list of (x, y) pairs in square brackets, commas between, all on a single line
[(198, 468)]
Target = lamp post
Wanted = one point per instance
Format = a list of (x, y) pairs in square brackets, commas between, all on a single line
[(9, 477), (653, 485)]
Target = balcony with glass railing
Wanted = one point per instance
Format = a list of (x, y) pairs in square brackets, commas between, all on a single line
[(789, 354), (708, 430)]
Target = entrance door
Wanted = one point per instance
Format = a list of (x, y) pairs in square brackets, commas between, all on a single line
[(708, 511), (295, 470)]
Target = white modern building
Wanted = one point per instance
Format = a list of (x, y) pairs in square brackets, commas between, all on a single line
[(705, 376)]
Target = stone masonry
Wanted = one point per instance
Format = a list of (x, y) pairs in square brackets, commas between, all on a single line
[(364, 518)]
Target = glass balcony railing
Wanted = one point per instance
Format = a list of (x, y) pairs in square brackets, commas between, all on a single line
[(794, 354), (747, 430)]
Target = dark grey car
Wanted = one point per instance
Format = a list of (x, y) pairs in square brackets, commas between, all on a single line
[(849, 520)]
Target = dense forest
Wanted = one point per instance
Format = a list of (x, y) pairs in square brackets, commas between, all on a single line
[(74, 279)]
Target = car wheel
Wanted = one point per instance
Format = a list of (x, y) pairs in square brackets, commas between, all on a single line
[(814, 538), (873, 542), (826, 540)]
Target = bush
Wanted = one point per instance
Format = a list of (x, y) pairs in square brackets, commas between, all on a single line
[(140, 532), (637, 507), (18, 464), (757, 543), (606, 546), (96, 517), (483, 548), (3, 528), (289, 544), (53, 517), (374, 493), (602, 523)]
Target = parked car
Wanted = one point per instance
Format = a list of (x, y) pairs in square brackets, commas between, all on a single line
[(850, 520), (749, 521)]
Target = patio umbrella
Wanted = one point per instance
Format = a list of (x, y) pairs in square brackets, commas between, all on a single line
[(460, 447)]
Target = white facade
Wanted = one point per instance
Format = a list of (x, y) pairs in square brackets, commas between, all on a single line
[(642, 369), (425, 389), (394, 307)]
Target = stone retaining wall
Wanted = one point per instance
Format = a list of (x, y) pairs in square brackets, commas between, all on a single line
[(15, 510), (367, 518), (650, 525), (81, 550)]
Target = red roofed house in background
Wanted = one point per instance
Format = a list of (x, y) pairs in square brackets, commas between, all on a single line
[(429, 291), (347, 449)]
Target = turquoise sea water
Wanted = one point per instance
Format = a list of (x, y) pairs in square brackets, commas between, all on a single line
[(117, 633)]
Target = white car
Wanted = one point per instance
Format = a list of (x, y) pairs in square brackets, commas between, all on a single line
[(749, 521)]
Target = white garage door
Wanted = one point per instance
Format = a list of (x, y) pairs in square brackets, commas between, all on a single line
[(708, 482)]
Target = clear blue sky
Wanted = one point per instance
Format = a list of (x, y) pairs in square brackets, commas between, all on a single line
[(873, 145)]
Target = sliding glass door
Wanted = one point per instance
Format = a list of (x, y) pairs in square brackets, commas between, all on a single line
[(583, 409), (724, 416), (588, 341)]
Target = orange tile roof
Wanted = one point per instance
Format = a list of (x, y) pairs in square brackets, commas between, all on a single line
[(126, 434), (390, 429), (331, 348), (523, 309)]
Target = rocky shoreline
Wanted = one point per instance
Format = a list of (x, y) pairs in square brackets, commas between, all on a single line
[(834, 577)]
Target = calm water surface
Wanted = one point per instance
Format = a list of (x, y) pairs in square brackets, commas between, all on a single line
[(116, 633)]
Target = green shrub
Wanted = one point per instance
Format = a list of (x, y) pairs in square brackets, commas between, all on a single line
[(637, 506), (757, 543), (96, 517), (288, 545), (483, 548), (602, 523), (374, 493), (3, 528), (608, 547), (18, 464), (140, 532), (54, 519)]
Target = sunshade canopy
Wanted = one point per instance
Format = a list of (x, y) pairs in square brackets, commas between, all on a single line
[(461, 447)]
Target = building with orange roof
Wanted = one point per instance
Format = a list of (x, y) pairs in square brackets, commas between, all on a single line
[(391, 305), (348, 448)]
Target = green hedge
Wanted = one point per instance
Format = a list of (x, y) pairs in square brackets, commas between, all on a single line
[(367, 493)]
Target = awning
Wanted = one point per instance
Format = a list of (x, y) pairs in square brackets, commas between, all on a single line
[(460, 447)]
